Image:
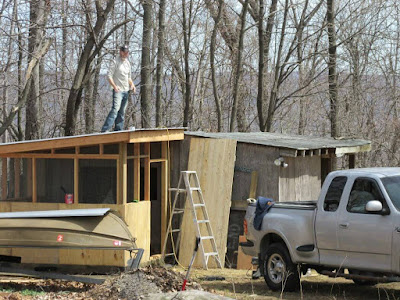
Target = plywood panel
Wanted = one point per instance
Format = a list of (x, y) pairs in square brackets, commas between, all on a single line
[(213, 160), (137, 216)]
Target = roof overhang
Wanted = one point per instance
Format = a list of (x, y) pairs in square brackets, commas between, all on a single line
[(126, 136)]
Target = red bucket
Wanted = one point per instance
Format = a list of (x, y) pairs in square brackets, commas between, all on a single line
[(69, 198)]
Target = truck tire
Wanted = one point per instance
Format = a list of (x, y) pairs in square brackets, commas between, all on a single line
[(280, 273)]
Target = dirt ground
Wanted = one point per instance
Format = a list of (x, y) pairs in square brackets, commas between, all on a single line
[(237, 285)]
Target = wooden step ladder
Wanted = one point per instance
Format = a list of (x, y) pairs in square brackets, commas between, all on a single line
[(185, 187)]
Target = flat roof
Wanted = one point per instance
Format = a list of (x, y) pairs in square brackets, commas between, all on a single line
[(291, 142), (127, 136)]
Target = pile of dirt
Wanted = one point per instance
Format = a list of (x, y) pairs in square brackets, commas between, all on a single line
[(140, 283)]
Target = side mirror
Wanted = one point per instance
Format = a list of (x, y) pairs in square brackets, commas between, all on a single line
[(374, 206)]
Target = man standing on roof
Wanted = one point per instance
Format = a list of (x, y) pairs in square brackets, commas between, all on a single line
[(119, 76)]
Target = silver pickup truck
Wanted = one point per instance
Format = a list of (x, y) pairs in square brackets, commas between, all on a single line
[(353, 231)]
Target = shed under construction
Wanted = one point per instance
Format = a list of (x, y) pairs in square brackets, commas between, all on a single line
[(126, 171)]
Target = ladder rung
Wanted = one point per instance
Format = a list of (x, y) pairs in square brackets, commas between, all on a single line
[(207, 237), (190, 172), (178, 211), (203, 221), (211, 254), (169, 254), (175, 230), (198, 205), (195, 189), (177, 190)]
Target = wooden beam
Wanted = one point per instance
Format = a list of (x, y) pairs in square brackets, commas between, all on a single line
[(138, 136), (29, 177), (34, 181), (101, 149), (164, 190), (4, 178), (76, 181), (60, 156), (17, 177), (136, 172), (158, 160), (253, 184), (123, 177), (288, 152), (137, 156), (147, 172)]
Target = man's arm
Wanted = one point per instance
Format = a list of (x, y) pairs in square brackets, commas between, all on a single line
[(110, 74), (132, 85)]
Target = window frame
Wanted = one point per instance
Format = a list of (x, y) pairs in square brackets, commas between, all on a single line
[(341, 194)]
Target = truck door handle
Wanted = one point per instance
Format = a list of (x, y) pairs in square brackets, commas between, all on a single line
[(344, 225)]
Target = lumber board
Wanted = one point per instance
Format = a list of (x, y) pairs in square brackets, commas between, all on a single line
[(140, 136), (147, 172), (122, 179), (34, 181), (136, 172), (4, 178), (76, 180), (214, 161), (164, 190), (138, 219)]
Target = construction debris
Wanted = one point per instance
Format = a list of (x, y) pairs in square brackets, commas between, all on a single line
[(132, 285)]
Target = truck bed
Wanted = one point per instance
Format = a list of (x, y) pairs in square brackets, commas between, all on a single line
[(307, 205)]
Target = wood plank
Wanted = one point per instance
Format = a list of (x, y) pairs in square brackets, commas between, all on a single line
[(136, 172), (139, 136), (214, 161), (29, 177), (17, 177), (123, 177), (147, 172), (34, 181), (76, 180), (253, 184), (60, 156), (164, 190), (138, 219), (4, 178)]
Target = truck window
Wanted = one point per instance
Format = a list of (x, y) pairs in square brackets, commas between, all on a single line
[(392, 186), (363, 190), (334, 193)]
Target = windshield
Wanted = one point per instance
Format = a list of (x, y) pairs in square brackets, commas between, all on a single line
[(392, 186)]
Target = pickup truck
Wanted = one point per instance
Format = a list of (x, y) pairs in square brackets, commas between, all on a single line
[(354, 226)]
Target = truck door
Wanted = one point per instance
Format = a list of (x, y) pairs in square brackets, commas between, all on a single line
[(365, 238), (327, 221)]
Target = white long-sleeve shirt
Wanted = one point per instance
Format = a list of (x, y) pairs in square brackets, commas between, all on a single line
[(120, 72)]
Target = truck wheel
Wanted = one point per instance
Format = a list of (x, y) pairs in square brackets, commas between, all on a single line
[(280, 273)]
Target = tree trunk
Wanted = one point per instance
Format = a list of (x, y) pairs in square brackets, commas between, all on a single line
[(145, 74), (160, 62), (237, 108), (332, 75), (187, 113), (39, 10), (212, 64)]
